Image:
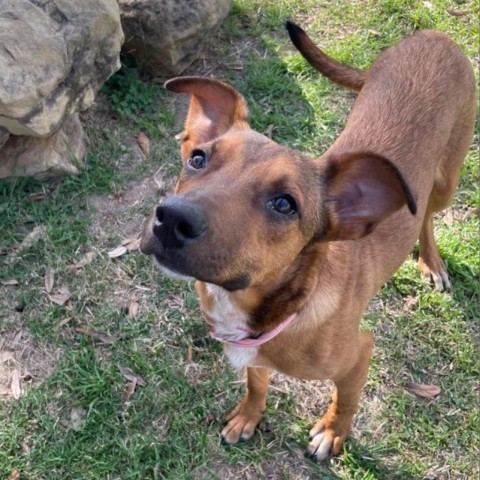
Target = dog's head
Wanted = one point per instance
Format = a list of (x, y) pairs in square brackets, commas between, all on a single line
[(245, 207)]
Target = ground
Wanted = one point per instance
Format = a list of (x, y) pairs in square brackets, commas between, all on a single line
[(106, 368)]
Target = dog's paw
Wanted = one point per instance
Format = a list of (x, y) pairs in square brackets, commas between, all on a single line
[(326, 440), (242, 422), (433, 269)]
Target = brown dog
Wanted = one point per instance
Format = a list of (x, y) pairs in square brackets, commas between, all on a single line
[(289, 251)]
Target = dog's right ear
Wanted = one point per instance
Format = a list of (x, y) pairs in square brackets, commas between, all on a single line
[(215, 108)]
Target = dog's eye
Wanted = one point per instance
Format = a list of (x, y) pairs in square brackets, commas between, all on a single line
[(198, 160), (285, 205)]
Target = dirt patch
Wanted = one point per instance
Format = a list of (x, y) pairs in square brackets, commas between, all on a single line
[(121, 214), (24, 362)]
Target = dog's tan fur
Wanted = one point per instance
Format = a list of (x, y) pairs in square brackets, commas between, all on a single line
[(355, 225)]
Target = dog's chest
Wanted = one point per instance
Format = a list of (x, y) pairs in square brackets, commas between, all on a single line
[(229, 322)]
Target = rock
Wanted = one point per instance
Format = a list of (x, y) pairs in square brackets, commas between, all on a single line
[(4, 134), (166, 36), (54, 56), (44, 158)]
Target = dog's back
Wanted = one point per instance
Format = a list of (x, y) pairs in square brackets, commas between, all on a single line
[(416, 107)]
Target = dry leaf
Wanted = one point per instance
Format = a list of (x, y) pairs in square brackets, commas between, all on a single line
[(106, 339), (471, 211), (18, 337), (49, 279), (84, 260), (144, 144), (7, 356), (15, 475), (422, 390), (77, 418), (131, 376), (65, 321), (456, 13), (100, 337), (131, 387), (131, 243), (33, 237), (117, 252), (7, 283), (134, 246), (62, 297), (448, 218), (15, 385), (133, 309), (410, 303)]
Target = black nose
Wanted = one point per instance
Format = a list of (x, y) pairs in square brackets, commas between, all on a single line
[(179, 222)]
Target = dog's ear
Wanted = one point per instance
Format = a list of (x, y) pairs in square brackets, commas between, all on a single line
[(361, 189), (215, 108)]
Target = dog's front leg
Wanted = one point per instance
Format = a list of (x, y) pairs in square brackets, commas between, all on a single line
[(246, 415), (329, 433)]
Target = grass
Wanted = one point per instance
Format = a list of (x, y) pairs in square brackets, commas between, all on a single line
[(81, 422)]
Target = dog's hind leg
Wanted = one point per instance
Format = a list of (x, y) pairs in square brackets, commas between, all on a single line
[(444, 186), (329, 433), (246, 415)]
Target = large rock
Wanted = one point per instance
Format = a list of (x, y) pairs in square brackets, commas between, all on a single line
[(166, 36), (44, 158), (54, 56)]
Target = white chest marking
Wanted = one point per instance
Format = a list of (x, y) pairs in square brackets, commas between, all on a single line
[(230, 322)]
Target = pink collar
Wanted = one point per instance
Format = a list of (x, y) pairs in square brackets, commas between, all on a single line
[(256, 341)]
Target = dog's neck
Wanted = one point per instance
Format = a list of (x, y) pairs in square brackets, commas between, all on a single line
[(270, 302)]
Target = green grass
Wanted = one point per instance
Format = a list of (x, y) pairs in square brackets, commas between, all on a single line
[(169, 428)]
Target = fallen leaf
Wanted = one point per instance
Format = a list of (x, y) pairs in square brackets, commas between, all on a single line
[(34, 236), (85, 260), (428, 5), (15, 475), (99, 337), (78, 418), (65, 321), (471, 211), (133, 309), (18, 337), (62, 297), (15, 385), (134, 246), (131, 243), (117, 252), (49, 279), (8, 283), (25, 448), (448, 218), (7, 356), (422, 390), (36, 197), (131, 387), (410, 303), (144, 144), (131, 376), (456, 13)]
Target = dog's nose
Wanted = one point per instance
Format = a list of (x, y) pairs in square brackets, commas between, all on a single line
[(179, 222)]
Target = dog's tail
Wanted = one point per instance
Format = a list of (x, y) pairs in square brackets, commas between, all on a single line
[(337, 72)]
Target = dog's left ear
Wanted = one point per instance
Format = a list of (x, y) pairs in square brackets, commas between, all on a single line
[(215, 108), (361, 189)]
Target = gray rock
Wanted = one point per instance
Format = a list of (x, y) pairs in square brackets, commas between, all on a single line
[(44, 158), (54, 56), (4, 134), (166, 36)]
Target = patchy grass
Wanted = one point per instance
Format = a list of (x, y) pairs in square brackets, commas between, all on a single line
[(79, 415)]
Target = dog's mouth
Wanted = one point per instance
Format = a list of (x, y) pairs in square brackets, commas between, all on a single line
[(239, 283), (181, 265)]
